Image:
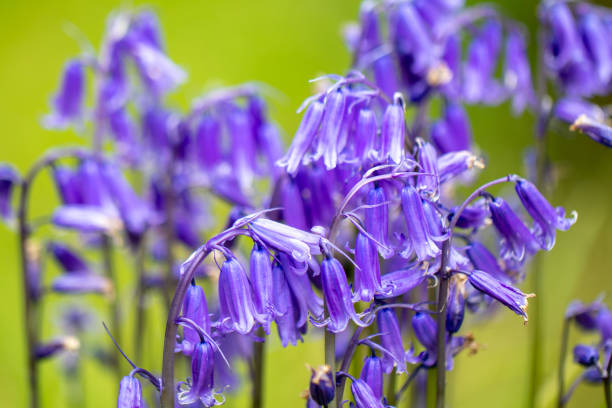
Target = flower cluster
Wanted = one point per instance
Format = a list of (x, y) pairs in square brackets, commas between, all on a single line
[(357, 220)]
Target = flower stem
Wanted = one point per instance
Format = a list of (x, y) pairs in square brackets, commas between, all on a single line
[(24, 230), (563, 353), (392, 380), (402, 390), (259, 349), (140, 300), (114, 307), (330, 360), (441, 323), (606, 382), (541, 162)]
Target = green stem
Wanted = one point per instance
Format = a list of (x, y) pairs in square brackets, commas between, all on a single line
[(114, 307), (563, 353), (259, 348), (140, 301), (392, 379), (330, 360)]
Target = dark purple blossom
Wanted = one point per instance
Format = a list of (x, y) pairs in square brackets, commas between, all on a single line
[(585, 355), (598, 131), (195, 308), (517, 241), (452, 133), (372, 374), (517, 73), (322, 385), (8, 179), (547, 219), (507, 295), (364, 396), (455, 304)]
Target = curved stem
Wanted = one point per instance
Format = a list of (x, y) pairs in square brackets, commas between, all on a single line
[(114, 307), (30, 299), (140, 300)]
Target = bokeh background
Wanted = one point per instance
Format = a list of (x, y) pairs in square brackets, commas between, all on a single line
[(284, 44)]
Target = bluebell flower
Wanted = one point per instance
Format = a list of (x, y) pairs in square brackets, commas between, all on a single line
[(236, 304), (411, 39), (585, 315), (372, 374), (376, 219), (484, 260), (196, 309), (479, 86), (293, 207), (507, 295), (393, 131), (455, 304), (303, 138), (517, 241), (208, 142), (53, 347), (201, 385), (366, 135), (327, 146), (428, 182), (547, 219), (338, 296), (456, 163), (420, 240), (425, 330), (598, 131), (67, 258), (159, 74), (585, 355), (594, 36), (305, 299), (125, 133), (130, 393), (473, 216), (8, 179), (363, 395), (391, 340), (86, 219), (401, 281), (134, 211), (452, 132), (517, 73), (261, 280), (367, 275), (243, 152), (287, 317), (69, 99), (299, 245), (322, 385), (568, 109)]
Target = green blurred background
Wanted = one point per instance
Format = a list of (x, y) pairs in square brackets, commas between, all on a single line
[(284, 44)]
